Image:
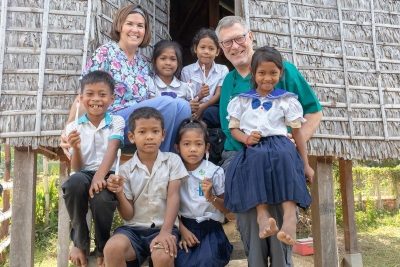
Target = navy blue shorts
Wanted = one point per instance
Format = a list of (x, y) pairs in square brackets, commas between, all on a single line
[(140, 238)]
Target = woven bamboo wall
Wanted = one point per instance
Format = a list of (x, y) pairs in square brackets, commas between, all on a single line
[(349, 50), (41, 57)]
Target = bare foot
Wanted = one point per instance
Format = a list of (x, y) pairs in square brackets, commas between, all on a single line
[(78, 257), (100, 262), (286, 238), (267, 227)]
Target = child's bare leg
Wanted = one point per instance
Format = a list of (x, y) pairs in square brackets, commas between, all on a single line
[(162, 259), (78, 257), (100, 261), (266, 224), (287, 234)]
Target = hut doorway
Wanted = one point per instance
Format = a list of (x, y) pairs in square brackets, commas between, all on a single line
[(187, 17)]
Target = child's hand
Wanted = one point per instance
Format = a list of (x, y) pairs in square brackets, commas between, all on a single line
[(206, 186), (188, 239), (309, 172), (166, 241), (199, 112), (204, 91), (74, 139), (253, 138), (98, 184), (194, 105), (115, 183)]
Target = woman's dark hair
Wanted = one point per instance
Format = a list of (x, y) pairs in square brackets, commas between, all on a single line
[(265, 54), (145, 113), (204, 33), (120, 18), (190, 124), (98, 76), (158, 49)]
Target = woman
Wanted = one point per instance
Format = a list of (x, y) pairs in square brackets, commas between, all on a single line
[(132, 73)]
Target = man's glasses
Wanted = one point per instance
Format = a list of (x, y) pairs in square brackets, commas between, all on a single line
[(239, 40)]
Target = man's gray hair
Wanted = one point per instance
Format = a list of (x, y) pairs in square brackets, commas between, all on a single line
[(228, 21)]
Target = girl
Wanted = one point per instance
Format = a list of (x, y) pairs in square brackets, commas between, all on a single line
[(203, 242), (206, 77), (167, 65), (269, 170)]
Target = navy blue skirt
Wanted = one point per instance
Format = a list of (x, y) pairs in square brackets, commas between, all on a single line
[(214, 249), (270, 172)]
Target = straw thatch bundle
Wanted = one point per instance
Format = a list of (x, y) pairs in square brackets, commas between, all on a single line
[(43, 47), (349, 50)]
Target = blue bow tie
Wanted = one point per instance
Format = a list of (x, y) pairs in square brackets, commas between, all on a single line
[(171, 94), (256, 103)]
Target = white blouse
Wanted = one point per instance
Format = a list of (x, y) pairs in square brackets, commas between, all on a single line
[(193, 75), (271, 117), (175, 89), (193, 204)]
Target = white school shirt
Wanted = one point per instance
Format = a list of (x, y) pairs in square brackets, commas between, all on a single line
[(283, 109), (195, 206), (149, 190), (193, 75), (177, 88), (94, 141)]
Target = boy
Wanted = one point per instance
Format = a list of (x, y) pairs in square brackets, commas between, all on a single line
[(147, 190), (94, 139)]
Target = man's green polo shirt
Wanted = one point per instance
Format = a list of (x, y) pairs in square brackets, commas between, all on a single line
[(291, 81)]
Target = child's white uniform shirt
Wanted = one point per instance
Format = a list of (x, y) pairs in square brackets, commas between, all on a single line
[(193, 74), (284, 111), (94, 141), (193, 204), (176, 89), (149, 190)]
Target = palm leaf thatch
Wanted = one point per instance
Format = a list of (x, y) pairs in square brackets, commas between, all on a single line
[(43, 48), (349, 51)]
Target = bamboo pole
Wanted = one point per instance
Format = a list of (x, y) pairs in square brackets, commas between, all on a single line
[(3, 22), (87, 34), (46, 190)]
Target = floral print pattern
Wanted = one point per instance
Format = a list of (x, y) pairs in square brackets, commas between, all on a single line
[(131, 76)]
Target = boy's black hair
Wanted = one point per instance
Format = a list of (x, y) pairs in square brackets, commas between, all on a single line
[(145, 113), (190, 124), (158, 49), (204, 33), (98, 76), (265, 54)]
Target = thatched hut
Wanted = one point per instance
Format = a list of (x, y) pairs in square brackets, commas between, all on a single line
[(347, 49)]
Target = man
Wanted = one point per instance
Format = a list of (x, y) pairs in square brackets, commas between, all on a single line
[(235, 40)]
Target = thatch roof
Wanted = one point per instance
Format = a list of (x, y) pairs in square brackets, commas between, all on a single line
[(41, 57), (349, 51)]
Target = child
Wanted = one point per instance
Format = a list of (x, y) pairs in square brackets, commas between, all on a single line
[(206, 76), (202, 202), (167, 65), (147, 190), (94, 139), (269, 170)]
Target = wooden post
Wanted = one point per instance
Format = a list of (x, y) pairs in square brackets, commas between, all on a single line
[(23, 207), (238, 8), (46, 190), (5, 226), (352, 254), (63, 220), (323, 213)]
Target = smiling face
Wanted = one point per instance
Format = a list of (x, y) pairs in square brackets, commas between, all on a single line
[(266, 77), (132, 32), (166, 63), (206, 51), (238, 54), (147, 136), (96, 98), (192, 148)]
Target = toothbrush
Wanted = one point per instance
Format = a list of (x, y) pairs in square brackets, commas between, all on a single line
[(203, 68), (118, 160)]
